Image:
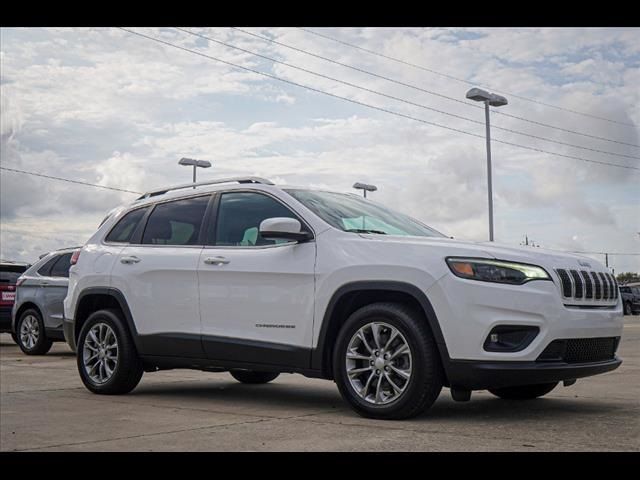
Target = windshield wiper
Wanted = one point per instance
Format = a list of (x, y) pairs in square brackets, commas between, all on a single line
[(362, 230)]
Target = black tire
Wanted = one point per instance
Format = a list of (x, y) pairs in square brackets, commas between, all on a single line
[(425, 382), (524, 392), (128, 370), (42, 344), (14, 337), (253, 377), (627, 308)]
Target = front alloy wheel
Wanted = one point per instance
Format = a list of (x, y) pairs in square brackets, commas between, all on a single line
[(378, 363), (386, 363)]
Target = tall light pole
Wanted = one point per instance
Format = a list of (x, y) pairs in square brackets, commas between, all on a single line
[(195, 164), (365, 188), (489, 99)]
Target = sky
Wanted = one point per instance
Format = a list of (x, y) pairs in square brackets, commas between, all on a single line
[(105, 106)]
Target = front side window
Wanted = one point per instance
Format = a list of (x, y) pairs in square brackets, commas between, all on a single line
[(239, 217), (354, 214), (62, 265), (176, 223), (123, 231)]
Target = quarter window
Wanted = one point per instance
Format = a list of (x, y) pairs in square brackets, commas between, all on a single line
[(176, 223), (239, 217), (45, 270), (61, 267), (123, 231)]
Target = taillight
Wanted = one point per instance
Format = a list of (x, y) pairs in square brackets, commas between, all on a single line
[(75, 256)]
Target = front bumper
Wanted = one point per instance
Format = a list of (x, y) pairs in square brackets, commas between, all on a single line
[(468, 310), (474, 375)]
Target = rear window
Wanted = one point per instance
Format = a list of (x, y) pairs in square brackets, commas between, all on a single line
[(10, 273), (625, 289)]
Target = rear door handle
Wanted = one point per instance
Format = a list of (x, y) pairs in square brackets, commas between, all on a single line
[(216, 260), (129, 260)]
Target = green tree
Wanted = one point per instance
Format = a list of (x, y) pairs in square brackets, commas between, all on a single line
[(627, 277)]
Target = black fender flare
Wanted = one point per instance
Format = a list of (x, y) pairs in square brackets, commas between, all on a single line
[(318, 355), (122, 302)]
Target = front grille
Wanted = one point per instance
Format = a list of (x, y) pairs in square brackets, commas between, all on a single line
[(584, 285), (580, 350)]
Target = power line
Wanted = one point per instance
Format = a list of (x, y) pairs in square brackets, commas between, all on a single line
[(607, 253), (373, 107), (69, 180), (409, 102), (424, 90), (451, 77)]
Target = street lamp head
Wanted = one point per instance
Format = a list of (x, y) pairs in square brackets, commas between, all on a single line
[(195, 163), (480, 95), (364, 186)]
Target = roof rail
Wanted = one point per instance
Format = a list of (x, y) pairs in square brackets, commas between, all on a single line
[(162, 191)]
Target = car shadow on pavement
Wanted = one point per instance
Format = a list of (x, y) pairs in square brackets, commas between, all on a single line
[(327, 398)]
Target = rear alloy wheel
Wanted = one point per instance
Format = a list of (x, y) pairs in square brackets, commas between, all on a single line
[(30, 336), (253, 377), (524, 392), (107, 359)]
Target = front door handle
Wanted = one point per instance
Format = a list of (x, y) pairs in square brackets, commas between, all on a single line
[(129, 260), (216, 260)]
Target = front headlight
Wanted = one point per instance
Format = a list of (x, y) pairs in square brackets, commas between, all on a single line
[(487, 270)]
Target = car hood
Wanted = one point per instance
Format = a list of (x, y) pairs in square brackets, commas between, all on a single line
[(549, 259)]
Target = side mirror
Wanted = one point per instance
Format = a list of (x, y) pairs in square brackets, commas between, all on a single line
[(282, 228)]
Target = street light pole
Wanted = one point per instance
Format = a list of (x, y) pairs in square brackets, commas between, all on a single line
[(489, 181), (195, 164), (489, 99)]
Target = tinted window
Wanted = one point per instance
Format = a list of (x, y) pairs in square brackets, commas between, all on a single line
[(240, 215), (45, 270), (176, 223), (62, 265), (625, 289), (123, 231), (10, 273)]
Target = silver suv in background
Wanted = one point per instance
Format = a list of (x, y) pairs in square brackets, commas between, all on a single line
[(38, 310)]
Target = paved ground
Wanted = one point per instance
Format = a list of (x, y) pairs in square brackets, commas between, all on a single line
[(43, 406)]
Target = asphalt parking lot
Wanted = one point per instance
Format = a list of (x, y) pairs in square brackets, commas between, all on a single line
[(43, 406)]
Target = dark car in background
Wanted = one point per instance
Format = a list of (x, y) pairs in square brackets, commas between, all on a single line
[(9, 273), (38, 309), (630, 295)]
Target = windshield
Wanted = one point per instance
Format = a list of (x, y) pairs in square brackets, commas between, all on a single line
[(354, 214)]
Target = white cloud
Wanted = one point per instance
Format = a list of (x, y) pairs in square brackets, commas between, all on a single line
[(103, 106)]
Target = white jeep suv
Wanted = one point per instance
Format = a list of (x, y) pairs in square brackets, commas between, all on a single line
[(244, 276)]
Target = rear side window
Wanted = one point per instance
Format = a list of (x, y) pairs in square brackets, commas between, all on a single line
[(123, 231), (45, 270), (176, 223), (61, 267)]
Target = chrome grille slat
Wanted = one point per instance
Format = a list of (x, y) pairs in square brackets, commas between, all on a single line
[(598, 286), (605, 286), (578, 288), (588, 284)]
